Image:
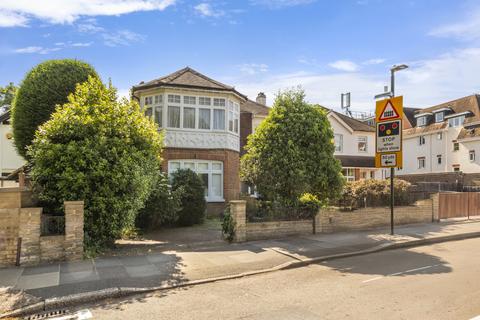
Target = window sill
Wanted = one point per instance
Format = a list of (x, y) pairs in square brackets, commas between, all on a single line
[(211, 200)]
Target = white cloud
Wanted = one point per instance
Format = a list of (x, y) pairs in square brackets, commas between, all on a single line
[(467, 29), (206, 10), (36, 49), (12, 19), (278, 4), (18, 12), (426, 83), (57, 46), (122, 38), (253, 68), (373, 61), (344, 65)]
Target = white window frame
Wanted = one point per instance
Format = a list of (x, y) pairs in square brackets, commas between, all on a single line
[(349, 173), (439, 135), (421, 121), (421, 163), (421, 140), (362, 139), (457, 145), (439, 116), (439, 159), (230, 108), (339, 146), (455, 122), (210, 171), (471, 155)]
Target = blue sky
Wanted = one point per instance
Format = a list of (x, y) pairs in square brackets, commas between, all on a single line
[(327, 47)]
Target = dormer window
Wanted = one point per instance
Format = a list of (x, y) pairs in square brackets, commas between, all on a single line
[(456, 121), (421, 121), (439, 116)]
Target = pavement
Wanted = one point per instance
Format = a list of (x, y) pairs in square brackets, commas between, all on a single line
[(436, 281), (187, 265)]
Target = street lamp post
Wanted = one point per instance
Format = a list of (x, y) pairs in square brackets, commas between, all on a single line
[(393, 69)]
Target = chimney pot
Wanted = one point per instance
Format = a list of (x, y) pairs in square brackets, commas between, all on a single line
[(261, 98)]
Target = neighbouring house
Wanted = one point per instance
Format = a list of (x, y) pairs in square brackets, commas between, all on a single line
[(354, 147), (10, 160), (444, 138), (201, 120)]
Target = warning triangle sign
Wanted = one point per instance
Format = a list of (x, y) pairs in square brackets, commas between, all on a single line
[(389, 112)]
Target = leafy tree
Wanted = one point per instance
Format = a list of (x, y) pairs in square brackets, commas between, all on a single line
[(44, 87), (100, 150), (189, 187), (291, 153), (7, 93)]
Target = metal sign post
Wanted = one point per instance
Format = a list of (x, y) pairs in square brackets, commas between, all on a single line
[(389, 117)]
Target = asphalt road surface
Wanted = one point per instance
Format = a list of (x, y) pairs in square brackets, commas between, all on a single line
[(440, 281)]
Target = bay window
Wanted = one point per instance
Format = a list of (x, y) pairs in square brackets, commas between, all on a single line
[(210, 172), (159, 116), (204, 101), (204, 119), (218, 119), (233, 116), (173, 98), (173, 117), (189, 118)]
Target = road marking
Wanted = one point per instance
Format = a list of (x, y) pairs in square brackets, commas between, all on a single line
[(476, 318), (402, 272)]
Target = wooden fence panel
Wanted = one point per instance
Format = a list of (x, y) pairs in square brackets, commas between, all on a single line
[(459, 204)]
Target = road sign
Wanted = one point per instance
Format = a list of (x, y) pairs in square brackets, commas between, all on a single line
[(388, 160), (388, 116)]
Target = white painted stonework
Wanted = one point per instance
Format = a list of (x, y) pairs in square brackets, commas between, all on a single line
[(9, 158), (201, 140)]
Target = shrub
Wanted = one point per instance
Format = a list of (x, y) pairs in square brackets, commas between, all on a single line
[(310, 204), (291, 153), (375, 193), (100, 150), (189, 187), (228, 225), (44, 87), (162, 208)]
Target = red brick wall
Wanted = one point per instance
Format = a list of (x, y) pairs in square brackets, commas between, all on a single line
[(231, 167)]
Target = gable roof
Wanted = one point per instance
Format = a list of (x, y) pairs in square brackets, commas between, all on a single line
[(354, 124), (187, 77), (254, 108)]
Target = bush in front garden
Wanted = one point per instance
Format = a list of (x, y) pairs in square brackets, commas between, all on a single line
[(376, 193), (189, 187), (162, 207), (100, 150), (44, 87)]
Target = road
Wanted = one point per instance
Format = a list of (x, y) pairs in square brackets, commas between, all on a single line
[(440, 281)]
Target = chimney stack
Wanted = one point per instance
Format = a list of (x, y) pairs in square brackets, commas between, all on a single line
[(262, 98)]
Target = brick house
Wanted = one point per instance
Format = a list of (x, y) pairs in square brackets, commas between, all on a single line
[(201, 121)]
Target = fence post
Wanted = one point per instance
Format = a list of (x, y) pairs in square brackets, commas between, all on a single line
[(435, 207), (239, 215)]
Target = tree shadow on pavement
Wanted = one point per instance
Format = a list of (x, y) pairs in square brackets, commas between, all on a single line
[(400, 262)]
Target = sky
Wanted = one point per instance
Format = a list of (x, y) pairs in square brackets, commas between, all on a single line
[(327, 47)]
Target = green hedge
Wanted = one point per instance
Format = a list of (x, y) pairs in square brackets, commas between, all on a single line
[(189, 187), (375, 193), (45, 86)]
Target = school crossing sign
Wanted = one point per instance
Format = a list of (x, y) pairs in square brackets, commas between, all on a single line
[(388, 119)]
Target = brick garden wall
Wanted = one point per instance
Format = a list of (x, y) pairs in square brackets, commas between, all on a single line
[(18, 221), (334, 220)]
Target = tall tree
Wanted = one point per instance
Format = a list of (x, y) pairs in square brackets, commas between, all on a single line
[(44, 87), (100, 150), (291, 152)]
